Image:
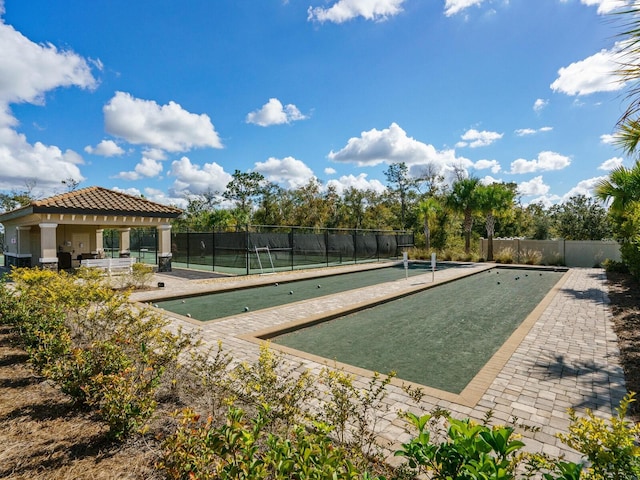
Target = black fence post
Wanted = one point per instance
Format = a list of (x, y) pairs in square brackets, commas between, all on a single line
[(213, 249), (247, 256), (355, 246), (188, 246), (326, 246)]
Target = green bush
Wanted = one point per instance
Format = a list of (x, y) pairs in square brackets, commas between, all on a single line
[(630, 253), (241, 448), (614, 266), (611, 446)]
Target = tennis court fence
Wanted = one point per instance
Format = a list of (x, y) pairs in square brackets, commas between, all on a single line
[(264, 248)]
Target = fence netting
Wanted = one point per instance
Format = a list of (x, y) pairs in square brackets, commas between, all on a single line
[(264, 249)]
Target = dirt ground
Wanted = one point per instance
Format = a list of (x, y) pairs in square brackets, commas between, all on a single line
[(42, 436)]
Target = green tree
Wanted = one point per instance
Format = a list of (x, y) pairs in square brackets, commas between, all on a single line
[(622, 190), (244, 189), (464, 199), (354, 205), (270, 211), (580, 218), (18, 198), (628, 126), (400, 184), (493, 200), (428, 209)]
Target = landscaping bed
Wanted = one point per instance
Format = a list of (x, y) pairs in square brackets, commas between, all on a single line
[(44, 436)]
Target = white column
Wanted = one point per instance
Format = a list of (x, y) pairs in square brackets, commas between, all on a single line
[(125, 242), (164, 247), (48, 243), (100, 242)]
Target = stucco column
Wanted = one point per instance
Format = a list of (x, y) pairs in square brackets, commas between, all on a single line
[(48, 251), (164, 247), (125, 242), (23, 246), (100, 242)]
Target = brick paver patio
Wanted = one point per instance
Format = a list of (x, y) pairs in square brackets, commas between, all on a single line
[(565, 355)]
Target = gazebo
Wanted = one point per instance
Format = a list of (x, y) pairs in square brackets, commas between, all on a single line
[(48, 232)]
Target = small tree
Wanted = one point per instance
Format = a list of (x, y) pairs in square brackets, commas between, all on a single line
[(493, 200), (428, 210), (464, 199), (400, 185)]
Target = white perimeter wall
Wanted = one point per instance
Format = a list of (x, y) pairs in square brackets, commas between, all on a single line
[(572, 253)]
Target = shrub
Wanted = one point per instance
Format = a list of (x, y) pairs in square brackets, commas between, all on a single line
[(351, 411), (125, 400), (273, 384), (611, 446), (630, 253), (531, 257), (141, 274), (242, 449), (614, 266), (208, 379), (505, 255), (469, 451)]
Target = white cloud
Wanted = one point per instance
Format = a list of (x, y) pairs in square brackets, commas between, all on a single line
[(166, 127), (608, 139), (474, 138), (584, 187), (593, 74), (147, 168), (154, 153), (546, 161), (611, 164), (345, 10), (525, 132), (605, 6), (192, 179), (359, 183), (274, 113), (160, 196), (28, 71), (488, 180), (330, 171), (546, 200), (535, 186), (494, 165), (540, 104), (289, 172), (47, 164), (390, 145), (106, 148), (451, 7)]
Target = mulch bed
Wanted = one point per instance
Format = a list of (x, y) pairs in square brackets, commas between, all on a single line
[(624, 295)]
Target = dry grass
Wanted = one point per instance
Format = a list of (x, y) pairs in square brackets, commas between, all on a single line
[(43, 436)]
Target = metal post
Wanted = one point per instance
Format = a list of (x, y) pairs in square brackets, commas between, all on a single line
[(246, 248)]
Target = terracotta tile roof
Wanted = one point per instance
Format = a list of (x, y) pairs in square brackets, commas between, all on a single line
[(98, 200)]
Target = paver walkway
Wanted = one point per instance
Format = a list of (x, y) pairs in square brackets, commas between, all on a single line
[(567, 356)]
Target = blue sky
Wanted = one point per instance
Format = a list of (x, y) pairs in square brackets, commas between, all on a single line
[(167, 99)]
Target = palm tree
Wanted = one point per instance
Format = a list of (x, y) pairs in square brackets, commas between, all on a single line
[(621, 188), (463, 199), (493, 200), (428, 209)]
